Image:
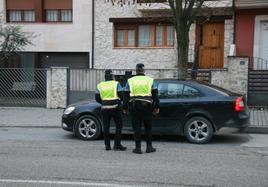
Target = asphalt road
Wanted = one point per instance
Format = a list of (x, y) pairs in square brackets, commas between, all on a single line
[(37, 157)]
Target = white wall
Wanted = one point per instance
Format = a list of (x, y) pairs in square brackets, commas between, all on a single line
[(62, 37)]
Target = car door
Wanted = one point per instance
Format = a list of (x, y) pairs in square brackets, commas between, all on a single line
[(171, 110), (176, 100)]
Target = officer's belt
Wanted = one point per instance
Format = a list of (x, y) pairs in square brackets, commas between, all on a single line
[(144, 100), (109, 106)]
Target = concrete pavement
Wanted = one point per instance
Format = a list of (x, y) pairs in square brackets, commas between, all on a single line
[(41, 117), (30, 117), (36, 157)]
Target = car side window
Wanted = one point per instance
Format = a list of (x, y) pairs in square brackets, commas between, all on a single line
[(190, 92), (170, 90)]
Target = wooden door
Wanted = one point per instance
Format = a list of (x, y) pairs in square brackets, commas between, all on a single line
[(211, 50)]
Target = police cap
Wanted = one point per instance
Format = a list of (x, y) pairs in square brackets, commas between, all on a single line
[(140, 66)]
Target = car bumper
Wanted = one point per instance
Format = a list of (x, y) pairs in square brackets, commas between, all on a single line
[(240, 122), (67, 122)]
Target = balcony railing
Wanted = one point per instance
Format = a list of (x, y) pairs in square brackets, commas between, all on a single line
[(251, 3)]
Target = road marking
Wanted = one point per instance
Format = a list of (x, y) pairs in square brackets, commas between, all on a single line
[(65, 183)]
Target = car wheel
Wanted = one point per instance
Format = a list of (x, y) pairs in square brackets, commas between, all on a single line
[(87, 127), (198, 130)]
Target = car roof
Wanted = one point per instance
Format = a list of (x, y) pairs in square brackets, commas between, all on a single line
[(204, 87)]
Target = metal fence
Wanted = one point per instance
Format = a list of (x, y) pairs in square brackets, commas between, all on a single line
[(23, 87), (83, 82), (258, 63)]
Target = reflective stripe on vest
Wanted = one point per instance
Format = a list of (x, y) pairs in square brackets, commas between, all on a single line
[(108, 90), (140, 86)]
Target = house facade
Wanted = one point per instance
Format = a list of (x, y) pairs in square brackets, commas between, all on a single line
[(143, 33), (252, 31), (62, 29)]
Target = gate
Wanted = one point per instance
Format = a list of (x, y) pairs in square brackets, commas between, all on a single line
[(83, 82), (258, 83), (23, 87)]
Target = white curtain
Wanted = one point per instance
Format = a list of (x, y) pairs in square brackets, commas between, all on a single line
[(66, 15), (52, 15), (145, 35), (15, 16), (170, 35), (131, 38), (159, 35), (120, 38), (29, 15)]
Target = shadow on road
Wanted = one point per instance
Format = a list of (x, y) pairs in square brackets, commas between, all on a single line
[(223, 138)]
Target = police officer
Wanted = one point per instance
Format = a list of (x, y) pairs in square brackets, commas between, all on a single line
[(141, 99), (108, 94)]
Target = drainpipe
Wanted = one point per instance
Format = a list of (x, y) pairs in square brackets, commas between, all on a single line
[(234, 15), (93, 34)]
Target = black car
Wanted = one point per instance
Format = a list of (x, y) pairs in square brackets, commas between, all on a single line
[(193, 109)]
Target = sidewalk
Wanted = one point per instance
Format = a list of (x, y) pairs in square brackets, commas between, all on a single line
[(41, 117), (258, 121), (30, 117)]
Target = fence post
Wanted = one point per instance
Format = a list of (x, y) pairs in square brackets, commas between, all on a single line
[(57, 87)]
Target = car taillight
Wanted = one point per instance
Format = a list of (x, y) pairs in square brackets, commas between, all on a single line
[(239, 104)]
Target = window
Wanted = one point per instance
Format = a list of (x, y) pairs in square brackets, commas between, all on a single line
[(39, 11), (164, 35), (59, 15), (15, 16), (150, 35), (125, 37), (145, 36), (190, 92), (52, 16), (66, 15), (21, 16), (29, 16), (170, 90)]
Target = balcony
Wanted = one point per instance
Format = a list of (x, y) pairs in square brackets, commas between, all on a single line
[(245, 4), (164, 7)]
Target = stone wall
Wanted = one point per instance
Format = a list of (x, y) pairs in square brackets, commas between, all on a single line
[(234, 77), (106, 56), (57, 88), (228, 39)]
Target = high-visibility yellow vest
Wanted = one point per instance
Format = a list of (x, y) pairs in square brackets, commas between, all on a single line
[(108, 90), (140, 86)]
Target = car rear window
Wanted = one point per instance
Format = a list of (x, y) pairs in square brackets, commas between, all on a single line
[(219, 89)]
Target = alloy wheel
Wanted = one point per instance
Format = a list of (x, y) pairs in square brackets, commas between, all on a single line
[(198, 130), (87, 128)]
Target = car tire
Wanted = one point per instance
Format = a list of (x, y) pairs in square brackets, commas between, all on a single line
[(87, 127), (198, 130)]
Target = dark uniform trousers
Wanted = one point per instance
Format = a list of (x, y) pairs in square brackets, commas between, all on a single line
[(141, 112), (107, 115)]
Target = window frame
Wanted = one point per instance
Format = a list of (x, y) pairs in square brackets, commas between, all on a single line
[(135, 27), (59, 14)]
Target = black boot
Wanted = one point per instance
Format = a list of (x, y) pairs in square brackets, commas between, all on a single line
[(119, 147), (108, 148), (137, 150), (150, 148)]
